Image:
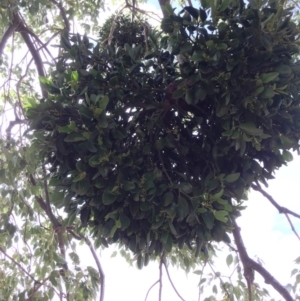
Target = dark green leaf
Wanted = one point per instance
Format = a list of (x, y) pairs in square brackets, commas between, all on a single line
[(232, 177)]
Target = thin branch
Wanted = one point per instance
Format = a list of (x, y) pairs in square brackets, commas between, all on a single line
[(249, 265), (8, 33), (22, 29), (292, 226), (280, 209), (36, 288), (160, 278), (164, 169), (99, 266), (16, 263), (164, 263), (100, 269), (150, 289), (63, 13)]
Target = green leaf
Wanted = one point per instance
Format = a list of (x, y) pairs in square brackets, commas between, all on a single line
[(168, 198), (232, 177), (266, 42), (229, 259), (186, 187), (108, 197), (75, 137), (208, 219), (182, 208), (250, 129), (287, 156), (268, 77), (224, 5), (103, 102), (178, 93), (125, 221), (167, 244), (221, 215)]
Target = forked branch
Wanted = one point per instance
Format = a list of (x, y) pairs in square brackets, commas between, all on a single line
[(249, 265)]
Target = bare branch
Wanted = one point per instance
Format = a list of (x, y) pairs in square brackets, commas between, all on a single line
[(164, 262), (292, 226), (17, 264), (63, 13), (100, 269), (160, 278), (22, 29), (99, 266), (8, 33), (249, 265), (274, 203), (150, 289)]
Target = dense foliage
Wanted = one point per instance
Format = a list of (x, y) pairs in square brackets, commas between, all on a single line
[(152, 153)]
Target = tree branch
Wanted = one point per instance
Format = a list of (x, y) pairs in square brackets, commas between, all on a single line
[(99, 266), (22, 29), (160, 278), (280, 209), (17, 264), (8, 33), (164, 262), (63, 14), (249, 265), (150, 289)]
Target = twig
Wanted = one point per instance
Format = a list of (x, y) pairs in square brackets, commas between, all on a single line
[(8, 33), (63, 13), (164, 262), (160, 278), (274, 203), (163, 168), (36, 288), (34, 52), (16, 263), (100, 269), (249, 265), (150, 289), (99, 266), (281, 210), (292, 226)]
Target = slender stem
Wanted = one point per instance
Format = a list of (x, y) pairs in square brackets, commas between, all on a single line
[(99, 266), (164, 262), (160, 278), (150, 289), (17, 264), (274, 203)]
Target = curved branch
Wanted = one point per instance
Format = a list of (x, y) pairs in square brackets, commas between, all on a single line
[(63, 14), (280, 209), (17, 264), (22, 29), (99, 266), (100, 269), (150, 289), (8, 33), (164, 262), (249, 265)]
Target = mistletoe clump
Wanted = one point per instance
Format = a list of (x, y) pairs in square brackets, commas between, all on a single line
[(152, 153)]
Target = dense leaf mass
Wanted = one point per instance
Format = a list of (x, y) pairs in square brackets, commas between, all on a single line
[(154, 153)]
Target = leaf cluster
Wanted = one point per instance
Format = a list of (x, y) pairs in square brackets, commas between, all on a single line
[(152, 153)]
